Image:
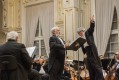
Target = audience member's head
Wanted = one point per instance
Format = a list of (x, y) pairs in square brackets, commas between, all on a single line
[(117, 56), (12, 35), (55, 31), (101, 56)]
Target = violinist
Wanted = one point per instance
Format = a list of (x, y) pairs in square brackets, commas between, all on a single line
[(114, 71), (66, 72), (117, 65), (37, 64)]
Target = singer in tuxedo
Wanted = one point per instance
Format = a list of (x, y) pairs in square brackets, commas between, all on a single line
[(89, 49), (57, 55)]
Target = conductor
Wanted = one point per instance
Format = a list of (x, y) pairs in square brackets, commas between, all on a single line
[(89, 48)]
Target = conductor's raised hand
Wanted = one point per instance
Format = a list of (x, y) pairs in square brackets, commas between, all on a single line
[(92, 18)]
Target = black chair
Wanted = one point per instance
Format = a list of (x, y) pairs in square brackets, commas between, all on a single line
[(8, 64)]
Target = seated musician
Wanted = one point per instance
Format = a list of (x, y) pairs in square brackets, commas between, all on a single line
[(117, 65), (66, 73), (45, 67), (115, 68), (36, 65)]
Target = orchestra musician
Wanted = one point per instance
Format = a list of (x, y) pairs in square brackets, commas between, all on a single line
[(113, 73), (117, 68), (18, 50), (66, 72), (45, 67), (36, 65)]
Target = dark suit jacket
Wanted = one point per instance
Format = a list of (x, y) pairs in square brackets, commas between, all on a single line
[(91, 50), (57, 51), (23, 60)]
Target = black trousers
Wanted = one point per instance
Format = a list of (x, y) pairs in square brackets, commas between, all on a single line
[(56, 70), (93, 63), (45, 76), (95, 71)]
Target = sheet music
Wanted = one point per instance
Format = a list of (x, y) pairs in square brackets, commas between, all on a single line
[(31, 50), (75, 45)]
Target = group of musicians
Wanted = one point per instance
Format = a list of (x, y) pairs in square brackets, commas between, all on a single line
[(55, 68)]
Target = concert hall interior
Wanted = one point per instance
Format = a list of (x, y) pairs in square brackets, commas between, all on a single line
[(34, 21)]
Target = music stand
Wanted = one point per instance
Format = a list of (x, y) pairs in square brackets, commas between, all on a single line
[(31, 51), (75, 46)]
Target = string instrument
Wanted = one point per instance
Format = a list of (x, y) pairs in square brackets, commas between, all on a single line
[(71, 71), (85, 74), (111, 74)]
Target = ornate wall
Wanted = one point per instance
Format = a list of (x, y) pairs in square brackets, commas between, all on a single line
[(11, 18), (68, 15)]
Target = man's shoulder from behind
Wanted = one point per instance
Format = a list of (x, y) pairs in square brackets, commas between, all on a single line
[(15, 43), (21, 44)]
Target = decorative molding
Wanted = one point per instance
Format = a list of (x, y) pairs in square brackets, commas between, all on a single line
[(10, 29), (34, 2), (4, 14), (68, 10), (59, 10), (13, 18), (85, 1), (19, 13), (11, 3), (59, 22)]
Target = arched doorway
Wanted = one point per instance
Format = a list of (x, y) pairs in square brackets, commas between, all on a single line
[(39, 18), (113, 43)]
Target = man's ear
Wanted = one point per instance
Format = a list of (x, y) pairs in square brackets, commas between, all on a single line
[(16, 38)]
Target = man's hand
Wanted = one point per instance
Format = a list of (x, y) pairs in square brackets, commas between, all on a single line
[(66, 45)]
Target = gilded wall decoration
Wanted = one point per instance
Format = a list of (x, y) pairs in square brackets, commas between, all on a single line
[(59, 10), (4, 14)]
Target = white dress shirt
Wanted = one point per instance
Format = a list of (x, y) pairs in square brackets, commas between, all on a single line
[(61, 40), (117, 66)]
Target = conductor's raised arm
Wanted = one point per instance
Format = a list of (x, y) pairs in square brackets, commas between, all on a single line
[(92, 25)]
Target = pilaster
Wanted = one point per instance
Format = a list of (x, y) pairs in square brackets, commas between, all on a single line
[(11, 17), (70, 9), (58, 15)]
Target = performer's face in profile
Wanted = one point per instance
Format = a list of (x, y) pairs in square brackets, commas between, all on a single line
[(81, 33), (117, 56), (57, 32)]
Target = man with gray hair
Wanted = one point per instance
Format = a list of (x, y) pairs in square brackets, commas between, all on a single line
[(90, 49), (11, 47), (12, 35), (57, 55)]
